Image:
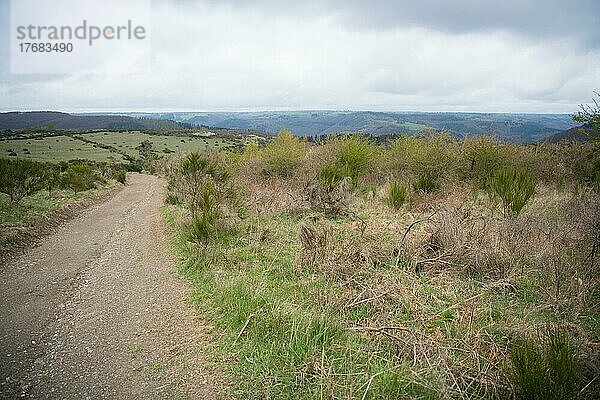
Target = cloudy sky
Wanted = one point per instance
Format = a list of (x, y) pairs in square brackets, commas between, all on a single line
[(464, 55)]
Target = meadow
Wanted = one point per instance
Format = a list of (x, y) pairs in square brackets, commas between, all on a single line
[(104, 146), (425, 267), (54, 149)]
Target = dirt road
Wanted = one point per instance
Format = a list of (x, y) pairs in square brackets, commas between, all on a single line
[(95, 310)]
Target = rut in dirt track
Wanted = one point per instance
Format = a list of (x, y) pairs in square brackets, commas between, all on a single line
[(96, 311)]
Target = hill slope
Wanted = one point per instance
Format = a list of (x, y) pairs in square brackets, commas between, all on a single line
[(573, 134), (58, 120), (512, 127)]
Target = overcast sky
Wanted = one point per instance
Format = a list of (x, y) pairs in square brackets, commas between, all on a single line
[(465, 55)]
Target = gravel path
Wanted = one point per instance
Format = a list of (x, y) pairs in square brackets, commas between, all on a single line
[(95, 310)]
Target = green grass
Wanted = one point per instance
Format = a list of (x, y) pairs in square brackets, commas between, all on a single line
[(34, 208), (414, 127), (65, 148), (128, 141), (281, 329), (284, 332), (55, 148)]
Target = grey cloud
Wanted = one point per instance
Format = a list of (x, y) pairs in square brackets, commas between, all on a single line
[(532, 18)]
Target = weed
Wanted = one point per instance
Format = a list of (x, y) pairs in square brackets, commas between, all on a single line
[(396, 195), (544, 367), (427, 182), (514, 187)]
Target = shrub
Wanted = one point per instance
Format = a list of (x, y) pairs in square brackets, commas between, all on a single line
[(545, 367), (425, 160), (121, 176), (283, 154), (355, 155), (133, 166), (204, 223), (52, 178), (483, 156), (80, 177), (427, 182), (330, 176), (396, 195), (194, 171), (514, 188), (20, 178), (332, 200), (201, 183)]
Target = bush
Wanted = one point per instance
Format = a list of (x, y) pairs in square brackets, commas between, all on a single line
[(333, 200), (514, 188), (284, 154), (396, 195), (545, 367), (194, 171), (483, 156), (20, 178), (204, 223), (80, 177), (121, 176), (427, 182), (425, 160), (355, 156), (330, 176), (201, 183)]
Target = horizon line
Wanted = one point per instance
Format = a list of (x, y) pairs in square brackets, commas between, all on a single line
[(240, 111)]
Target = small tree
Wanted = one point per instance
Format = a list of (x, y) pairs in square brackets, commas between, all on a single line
[(590, 116), (20, 178)]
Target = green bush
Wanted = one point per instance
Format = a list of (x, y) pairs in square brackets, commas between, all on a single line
[(483, 156), (545, 367), (427, 182), (201, 183), (396, 195), (514, 188), (355, 156), (52, 178), (121, 176), (283, 154), (330, 176), (195, 172), (20, 178), (204, 224), (426, 160), (80, 177)]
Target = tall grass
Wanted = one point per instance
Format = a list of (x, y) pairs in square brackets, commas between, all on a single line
[(396, 195), (545, 367)]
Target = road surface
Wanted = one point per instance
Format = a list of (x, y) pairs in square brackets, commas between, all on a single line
[(96, 310)]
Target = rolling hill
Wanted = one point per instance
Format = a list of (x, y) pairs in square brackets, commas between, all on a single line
[(35, 120), (513, 127)]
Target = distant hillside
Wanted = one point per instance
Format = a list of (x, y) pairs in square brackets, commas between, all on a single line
[(573, 134), (512, 127), (35, 120), (518, 128)]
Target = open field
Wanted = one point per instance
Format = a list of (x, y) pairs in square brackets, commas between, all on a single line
[(162, 144), (55, 148), (65, 148)]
